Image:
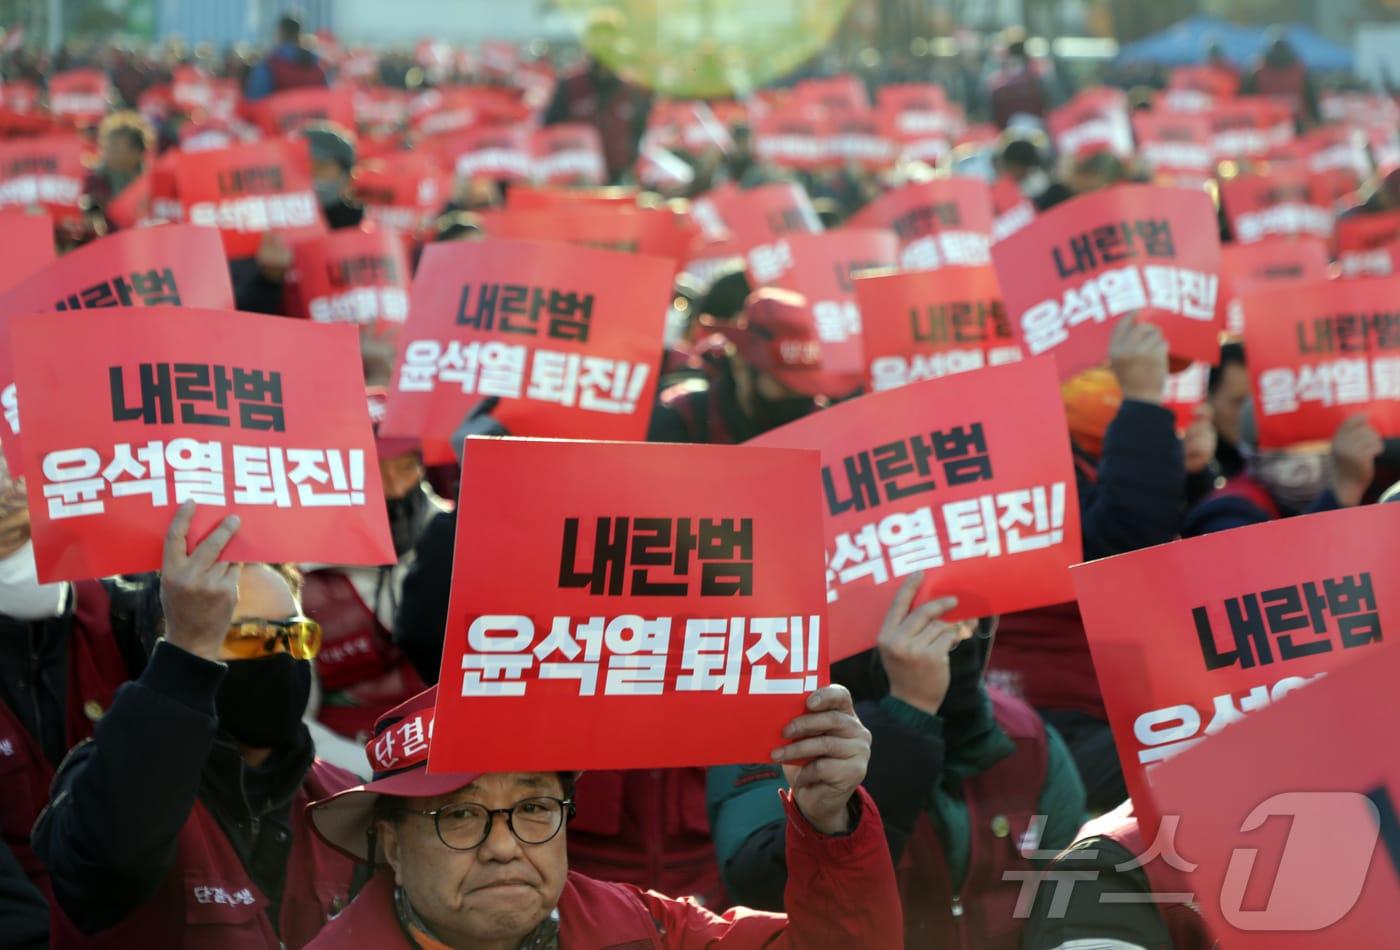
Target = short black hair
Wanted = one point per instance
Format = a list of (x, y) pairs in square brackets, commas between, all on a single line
[(1017, 49), (1230, 353), (289, 26)]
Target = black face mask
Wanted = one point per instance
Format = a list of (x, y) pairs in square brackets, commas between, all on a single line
[(404, 519), (771, 413), (261, 702)]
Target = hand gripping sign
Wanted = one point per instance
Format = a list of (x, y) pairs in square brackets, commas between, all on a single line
[(1289, 823), (969, 478), (1192, 636), (1321, 352), (249, 190), (155, 267), (1073, 272), (355, 277), (566, 337), (925, 324), (224, 409), (941, 223), (666, 610)]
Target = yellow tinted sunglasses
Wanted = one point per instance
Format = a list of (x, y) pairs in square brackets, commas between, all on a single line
[(251, 639)]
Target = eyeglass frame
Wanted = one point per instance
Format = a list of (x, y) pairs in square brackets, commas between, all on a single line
[(566, 809), (237, 627)]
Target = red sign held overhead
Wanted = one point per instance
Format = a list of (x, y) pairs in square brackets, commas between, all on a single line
[(568, 338), (47, 172), (355, 277), (1279, 203), (1073, 272), (940, 223), (1095, 120), (404, 192), (758, 215), (951, 477), (1320, 353), (621, 227), (1288, 820), (672, 593), (80, 97), (247, 191), (160, 407), (1245, 268), (569, 153), (1363, 242), (922, 325), (1238, 620), (283, 113), (167, 266), (1249, 127), (1176, 147), (823, 267)]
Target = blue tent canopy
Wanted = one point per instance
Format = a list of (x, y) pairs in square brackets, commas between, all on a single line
[(1185, 43)]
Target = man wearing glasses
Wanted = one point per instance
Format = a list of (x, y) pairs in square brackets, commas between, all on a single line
[(471, 861), (180, 823)]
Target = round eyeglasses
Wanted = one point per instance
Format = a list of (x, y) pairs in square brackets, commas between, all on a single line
[(465, 826)]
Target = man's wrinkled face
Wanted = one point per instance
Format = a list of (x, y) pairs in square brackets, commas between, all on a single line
[(401, 475), (499, 891), (1228, 401)]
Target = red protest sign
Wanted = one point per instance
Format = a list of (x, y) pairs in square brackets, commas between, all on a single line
[(1278, 203), (1012, 210), (79, 96), (404, 192), (950, 477), (1095, 120), (26, 245), (1069, 275), (822, 267), (921, 325), (1176, 147), (919, 118), (356, 277), (792, 137), (249, 190), (758, 214), (551, 197), (567, 337), (622, 227), (47, 172), (166, 266), (652, 666), (1292, 791), (843, 93), (1238, 619), (283, 113), (1361, 234), (160, 407), (939, 223), (497, 152), (1321, 352), (859, 138), (568, 153), (1245, 268), (1185, 392), (1249, 127)]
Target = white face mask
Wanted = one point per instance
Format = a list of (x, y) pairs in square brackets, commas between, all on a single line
[(22, 597), (1294, 478), (1034, 184)]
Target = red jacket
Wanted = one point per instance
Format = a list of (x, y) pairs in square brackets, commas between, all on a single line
[(1001, 803), (208, 901), (357, 657), (96, 668), (841, 893), (648, 828)]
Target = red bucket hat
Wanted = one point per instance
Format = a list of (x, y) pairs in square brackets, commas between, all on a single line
[(399, 755), (777, 335)]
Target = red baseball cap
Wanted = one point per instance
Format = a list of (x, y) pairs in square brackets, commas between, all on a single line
[(399, 755), (777, 335)]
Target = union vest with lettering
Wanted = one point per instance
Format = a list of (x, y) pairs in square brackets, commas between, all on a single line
[(96, 668), (1001, 803), (208, 900)]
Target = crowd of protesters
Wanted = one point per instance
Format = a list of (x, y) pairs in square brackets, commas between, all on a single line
[(190, 758)]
